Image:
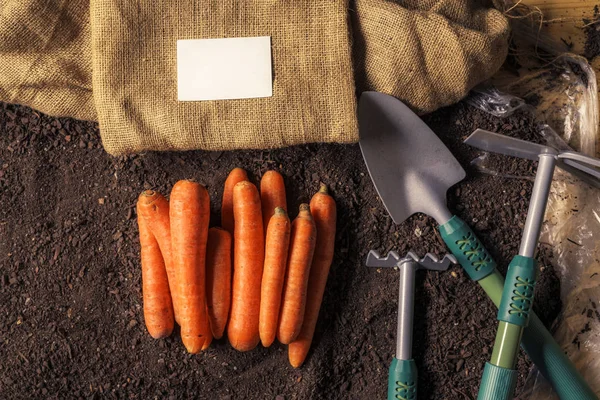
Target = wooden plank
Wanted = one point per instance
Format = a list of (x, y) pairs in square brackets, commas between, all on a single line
[(565, 19)]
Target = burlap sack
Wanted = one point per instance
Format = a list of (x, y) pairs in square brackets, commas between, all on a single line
[(428, 53), (135, 75), (46, 56)]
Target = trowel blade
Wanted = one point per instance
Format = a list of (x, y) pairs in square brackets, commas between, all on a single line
[(409, 165)]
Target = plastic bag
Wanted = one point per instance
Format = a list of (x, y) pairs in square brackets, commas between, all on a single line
[(563, 99)]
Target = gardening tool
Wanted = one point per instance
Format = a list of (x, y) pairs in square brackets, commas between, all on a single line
[(412, 170), (499, 376), (402, 379)]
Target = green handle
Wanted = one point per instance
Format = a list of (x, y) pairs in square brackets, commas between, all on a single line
[(467, 249), (497, 383), (519, 288), (539, 344), (553, 363), (402, 380), (514, 310)]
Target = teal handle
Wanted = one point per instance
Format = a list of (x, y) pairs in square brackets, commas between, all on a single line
[(497, 383), (467, 249), (402, 380), (519, 288), (539, 344), (552, 362)]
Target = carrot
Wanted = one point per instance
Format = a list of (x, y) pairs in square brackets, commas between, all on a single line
[(158, 309), (323, 209), (236, 176), (302, 247), (249, 257), (190, 214), (276, 251), (272, 195), (218, 279), (154, 208)]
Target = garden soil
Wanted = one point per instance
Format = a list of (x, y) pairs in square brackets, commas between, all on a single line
[(71, 322)]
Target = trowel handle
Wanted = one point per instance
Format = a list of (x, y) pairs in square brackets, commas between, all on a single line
[(539, 344), (402, 380), (467, 248)]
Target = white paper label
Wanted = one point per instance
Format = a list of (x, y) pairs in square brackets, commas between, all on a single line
[(221, 69)]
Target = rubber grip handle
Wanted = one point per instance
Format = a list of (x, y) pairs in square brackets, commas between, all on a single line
[(519, 289), (553, 363), (467, 248), (497, 383), (402, 380)]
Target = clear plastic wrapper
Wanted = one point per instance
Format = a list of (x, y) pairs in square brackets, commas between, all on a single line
[(493, 101), (566, 111)]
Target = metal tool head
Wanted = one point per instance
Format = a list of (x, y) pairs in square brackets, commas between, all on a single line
[(578, 164), (392, 259), (411, 168), (496, 143)]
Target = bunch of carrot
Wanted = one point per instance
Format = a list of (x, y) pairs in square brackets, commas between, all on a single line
[(279, 271)]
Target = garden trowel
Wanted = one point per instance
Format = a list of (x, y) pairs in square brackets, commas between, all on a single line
[(412, 171)]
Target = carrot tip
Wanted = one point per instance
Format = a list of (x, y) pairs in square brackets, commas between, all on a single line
[(304, 207), (206, 344), (280, 211), (148, 197), (323, 189), (244, 183), (161, 334)]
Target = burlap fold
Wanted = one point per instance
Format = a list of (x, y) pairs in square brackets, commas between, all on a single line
[(114, 61), (46, 56), (429, 53)]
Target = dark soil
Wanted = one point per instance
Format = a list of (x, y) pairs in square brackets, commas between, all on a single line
[(71, 323), (592, 32)]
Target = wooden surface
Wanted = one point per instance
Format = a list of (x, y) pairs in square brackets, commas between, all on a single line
[(565, 19), (564, 23)]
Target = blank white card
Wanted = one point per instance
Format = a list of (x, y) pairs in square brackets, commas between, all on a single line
[(221, 69)]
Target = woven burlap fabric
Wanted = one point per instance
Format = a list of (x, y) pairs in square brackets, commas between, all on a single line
[(114, 61), (135, 75), (46, 56), (429, 53)]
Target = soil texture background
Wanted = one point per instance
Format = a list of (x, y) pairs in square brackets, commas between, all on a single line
[(71, 322)]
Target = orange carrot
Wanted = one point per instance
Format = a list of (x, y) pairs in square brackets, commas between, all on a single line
[(302, 247), (249, 257), (154, 208), (218, 279), (272, 195), (236, 176), (323, 209), (276, 251), (158, 309), (190, 214)]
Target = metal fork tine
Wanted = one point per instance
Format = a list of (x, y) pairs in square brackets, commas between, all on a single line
[(431, 261), (374, 259)]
